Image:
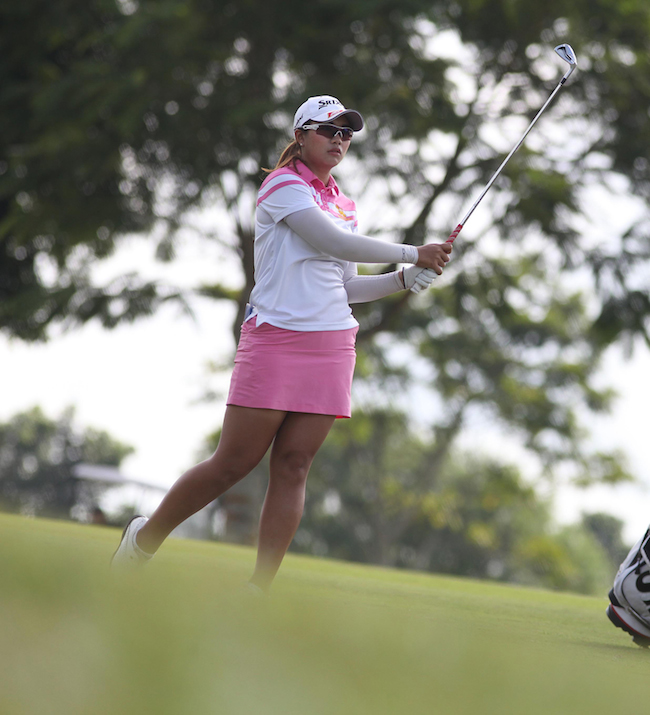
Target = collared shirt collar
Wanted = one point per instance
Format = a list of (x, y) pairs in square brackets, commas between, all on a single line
[(303, 170)]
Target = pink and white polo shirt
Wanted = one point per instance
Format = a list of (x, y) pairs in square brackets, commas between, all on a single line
[(296, 286)]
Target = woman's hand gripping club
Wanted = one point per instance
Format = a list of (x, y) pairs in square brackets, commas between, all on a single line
[(432, 258)]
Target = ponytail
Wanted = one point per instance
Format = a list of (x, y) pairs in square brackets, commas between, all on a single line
[(288, 156)]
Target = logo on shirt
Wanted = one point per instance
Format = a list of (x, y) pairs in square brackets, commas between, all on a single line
[(342, 213)]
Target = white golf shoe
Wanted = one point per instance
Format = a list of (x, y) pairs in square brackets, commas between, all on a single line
[(128, 555), (629, 607)]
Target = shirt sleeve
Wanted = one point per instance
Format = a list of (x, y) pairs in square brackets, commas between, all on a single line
[(320, 232), (363, 289), (284, 195)]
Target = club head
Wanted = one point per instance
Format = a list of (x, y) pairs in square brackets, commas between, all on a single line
[(567, 54)]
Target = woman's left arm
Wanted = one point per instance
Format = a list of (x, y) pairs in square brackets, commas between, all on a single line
[(363, 289)]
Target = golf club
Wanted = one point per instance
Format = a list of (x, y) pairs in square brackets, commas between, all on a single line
[(568, 55)]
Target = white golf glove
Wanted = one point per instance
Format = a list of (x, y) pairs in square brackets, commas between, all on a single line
[(417, 279)]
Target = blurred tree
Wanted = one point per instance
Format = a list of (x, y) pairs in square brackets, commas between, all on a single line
[(37, 457), (125, 116), (608, 531), (571, 560)]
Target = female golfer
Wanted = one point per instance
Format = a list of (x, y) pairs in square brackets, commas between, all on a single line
[(295, 358)]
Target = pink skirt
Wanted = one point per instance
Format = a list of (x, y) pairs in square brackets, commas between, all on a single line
[(294, 371)]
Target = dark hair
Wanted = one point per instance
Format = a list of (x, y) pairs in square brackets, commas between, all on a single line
[(289, 155)]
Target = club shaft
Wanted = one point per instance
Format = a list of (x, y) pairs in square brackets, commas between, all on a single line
[(514, 149)]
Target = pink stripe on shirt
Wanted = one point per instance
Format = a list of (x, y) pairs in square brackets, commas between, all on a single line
[(279, 185)]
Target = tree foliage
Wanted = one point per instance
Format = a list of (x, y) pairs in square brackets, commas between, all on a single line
[(607, 530), (37, 459)]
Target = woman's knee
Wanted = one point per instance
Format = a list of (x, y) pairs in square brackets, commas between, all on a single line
[(228, 471), (291, 467)]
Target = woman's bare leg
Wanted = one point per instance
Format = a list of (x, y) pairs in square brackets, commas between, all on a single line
[(296, 443), (246, 436)]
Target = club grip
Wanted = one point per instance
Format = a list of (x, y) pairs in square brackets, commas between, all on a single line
[(452, 237), (454, 234)]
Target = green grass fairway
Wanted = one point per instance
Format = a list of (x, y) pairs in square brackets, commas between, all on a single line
[(333, 639)]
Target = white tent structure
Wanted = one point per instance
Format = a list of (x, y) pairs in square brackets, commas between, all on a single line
[(107, 474), (146, 496)]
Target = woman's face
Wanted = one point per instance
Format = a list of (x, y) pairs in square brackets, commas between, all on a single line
[(322, 153)]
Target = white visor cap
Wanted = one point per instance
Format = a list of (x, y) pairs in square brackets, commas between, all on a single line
[(325, 109)]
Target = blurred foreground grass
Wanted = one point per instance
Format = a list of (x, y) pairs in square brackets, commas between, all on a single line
[(332, 639)]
